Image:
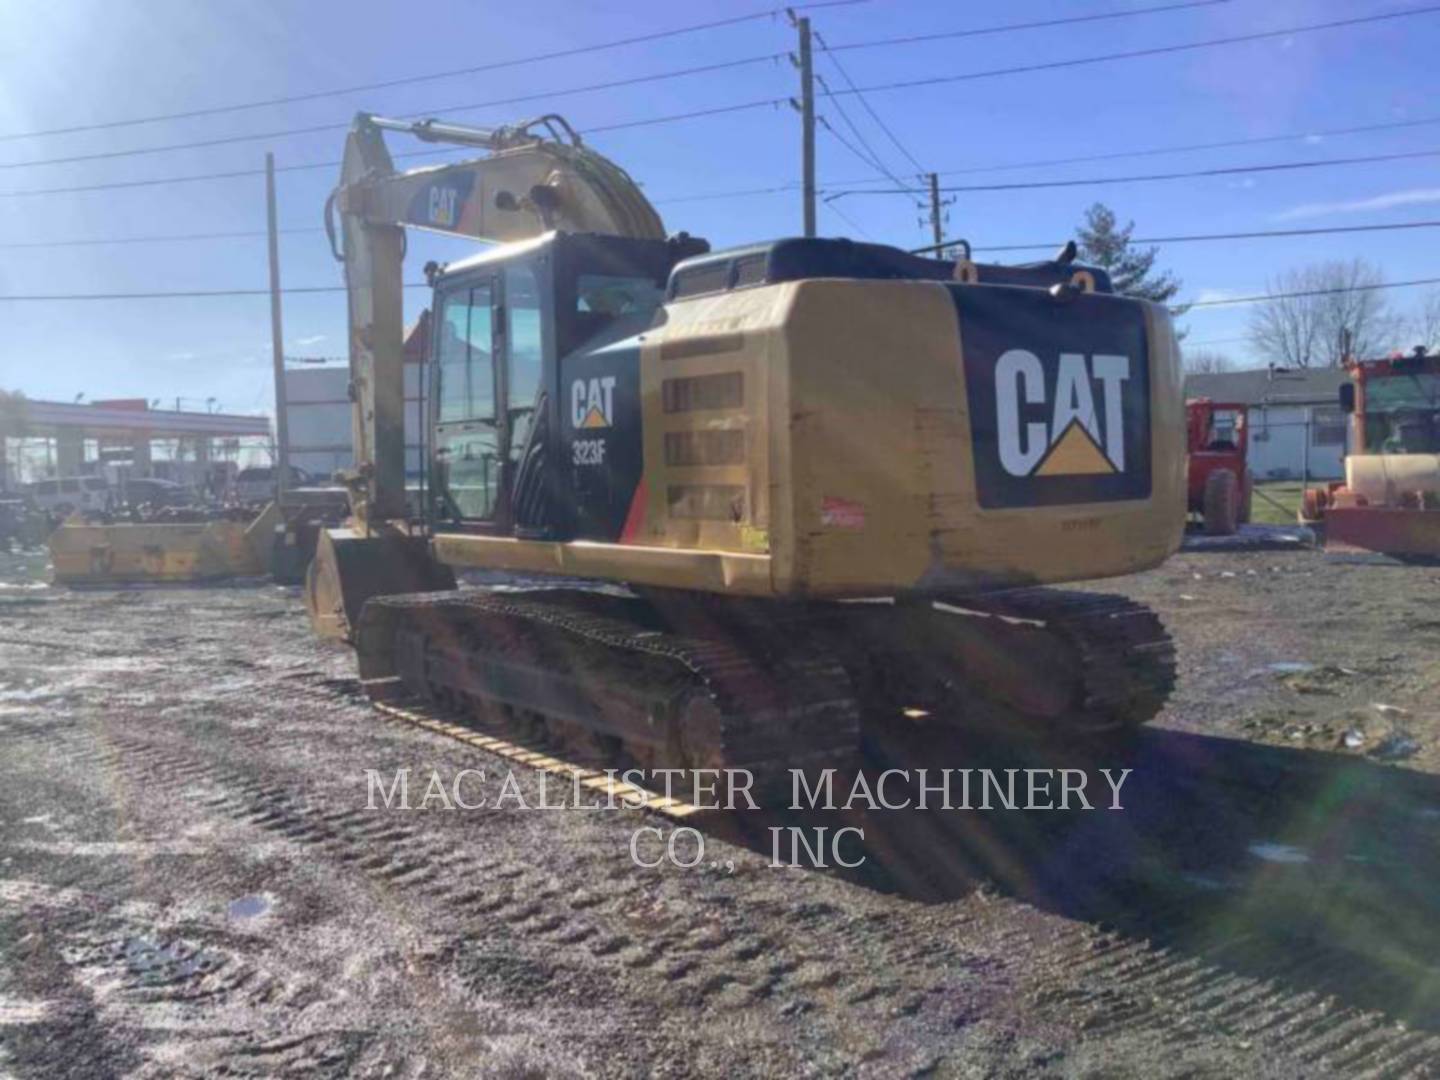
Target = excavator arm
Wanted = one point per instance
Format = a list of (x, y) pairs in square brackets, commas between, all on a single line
[(538, 177)]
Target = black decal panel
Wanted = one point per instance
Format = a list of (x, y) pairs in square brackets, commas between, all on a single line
[(600, 442), (1059, 395)]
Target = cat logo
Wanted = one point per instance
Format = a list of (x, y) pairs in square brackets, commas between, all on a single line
[(1068, 438), (592, 402), (444, 207)]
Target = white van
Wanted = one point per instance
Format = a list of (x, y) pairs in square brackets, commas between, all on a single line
[(70, 493)]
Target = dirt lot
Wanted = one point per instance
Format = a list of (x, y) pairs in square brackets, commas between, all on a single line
[(191, 882)]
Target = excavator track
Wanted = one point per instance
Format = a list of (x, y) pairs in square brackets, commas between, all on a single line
[(573, 659), (682, 681), (1124, 654)]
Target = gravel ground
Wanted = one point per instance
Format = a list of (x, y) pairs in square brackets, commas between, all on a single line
[(191, 882)]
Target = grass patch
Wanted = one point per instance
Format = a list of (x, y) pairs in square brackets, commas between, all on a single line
[(1285, 492)]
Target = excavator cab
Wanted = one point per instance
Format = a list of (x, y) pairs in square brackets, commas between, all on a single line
[(505, 322)]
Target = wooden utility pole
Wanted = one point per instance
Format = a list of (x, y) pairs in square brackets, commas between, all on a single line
[(807, 124), (277, 340), (935, 221)]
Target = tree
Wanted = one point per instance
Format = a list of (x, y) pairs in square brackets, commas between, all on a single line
[(1132, 270), (1312, 312), (1206, 362), (1426, 329)]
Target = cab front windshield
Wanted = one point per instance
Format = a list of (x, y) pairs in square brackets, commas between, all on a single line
[(1402, 414)]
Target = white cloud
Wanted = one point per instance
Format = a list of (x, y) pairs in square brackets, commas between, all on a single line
[(1388, 201), (313, 339), (1245, 183), (1314, 140)]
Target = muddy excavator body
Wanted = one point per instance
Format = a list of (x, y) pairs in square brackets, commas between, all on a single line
[(744, 499)]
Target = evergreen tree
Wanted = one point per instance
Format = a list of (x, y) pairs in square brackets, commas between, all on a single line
[(1131, 269)]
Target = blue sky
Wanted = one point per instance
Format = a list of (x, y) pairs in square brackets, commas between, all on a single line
[(71, 62)]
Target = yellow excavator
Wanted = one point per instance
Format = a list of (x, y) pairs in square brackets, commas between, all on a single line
[(736, 500)]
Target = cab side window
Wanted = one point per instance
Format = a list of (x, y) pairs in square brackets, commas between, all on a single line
[(467, 434), (525, 351)]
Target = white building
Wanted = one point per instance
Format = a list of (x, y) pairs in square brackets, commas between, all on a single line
[(318, 409), (1295, 418), (319, 412)]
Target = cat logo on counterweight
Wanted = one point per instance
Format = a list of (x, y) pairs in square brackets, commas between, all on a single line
[(1079, 429)]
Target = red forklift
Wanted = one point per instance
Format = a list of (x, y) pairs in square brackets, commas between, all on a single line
[(1220, 483)]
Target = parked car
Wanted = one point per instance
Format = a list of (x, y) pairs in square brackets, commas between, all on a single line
[(257, 484), (70, 493), (146, 491)]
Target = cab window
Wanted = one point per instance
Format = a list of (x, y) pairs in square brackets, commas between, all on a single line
[(467, 374), (525, 351), (467, 436)]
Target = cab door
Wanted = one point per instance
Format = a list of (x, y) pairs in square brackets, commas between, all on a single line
[(489, 362), (467, 444)]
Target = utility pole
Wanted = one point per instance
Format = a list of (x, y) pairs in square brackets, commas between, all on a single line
[(277, 339), (807, 124), (935, 225)]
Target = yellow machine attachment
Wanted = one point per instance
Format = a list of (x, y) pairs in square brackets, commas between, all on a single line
[(162, 551)]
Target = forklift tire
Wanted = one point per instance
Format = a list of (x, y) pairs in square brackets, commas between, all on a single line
[(1222, 503)]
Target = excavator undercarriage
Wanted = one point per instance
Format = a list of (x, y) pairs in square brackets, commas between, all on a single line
[(668, 680)]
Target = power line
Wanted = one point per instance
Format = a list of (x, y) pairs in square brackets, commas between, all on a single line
[(313, 129), (1159, 50), (1146, 152), (234, 173), (1197, 237), (787, 188), (699, 69), (1224, 144), (171, 239), (873, 157), (185, 294), (865, 102), (771, 102), (1187, 343), (1009, 27), (1028, 185), (1308, 292), (848, 220), (874, 164), (306, 289), (218, 110)]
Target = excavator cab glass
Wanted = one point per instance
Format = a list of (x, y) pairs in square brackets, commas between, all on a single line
[(507, 321), (467, 436)]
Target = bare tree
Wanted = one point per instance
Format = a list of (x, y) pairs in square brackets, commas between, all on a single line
[(1312, 311), (1208, 362), (1426, 324)]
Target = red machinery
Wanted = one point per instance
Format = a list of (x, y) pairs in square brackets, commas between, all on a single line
[(1390, 499), (1220, 480)]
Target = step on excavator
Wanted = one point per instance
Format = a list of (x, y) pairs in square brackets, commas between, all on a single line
[(730, 502)]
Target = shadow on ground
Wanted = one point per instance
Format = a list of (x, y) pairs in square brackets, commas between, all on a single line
[(1315, 870)]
